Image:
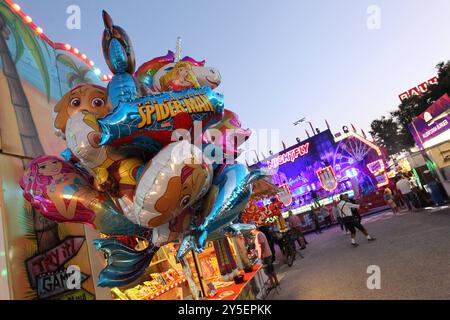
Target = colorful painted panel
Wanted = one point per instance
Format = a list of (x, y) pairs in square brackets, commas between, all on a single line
[(33, 77)]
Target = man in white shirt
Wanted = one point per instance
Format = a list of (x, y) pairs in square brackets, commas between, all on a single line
[(404, 186), (350, 221), (338, 218)]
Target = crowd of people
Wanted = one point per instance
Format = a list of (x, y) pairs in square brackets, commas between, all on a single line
[(404, 193)]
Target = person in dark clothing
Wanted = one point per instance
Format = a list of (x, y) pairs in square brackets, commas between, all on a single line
[(327, 216), (350, 220), (315, 218), (355, 211), (268, 232)]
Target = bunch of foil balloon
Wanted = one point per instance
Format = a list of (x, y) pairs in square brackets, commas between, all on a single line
[(151, 156)]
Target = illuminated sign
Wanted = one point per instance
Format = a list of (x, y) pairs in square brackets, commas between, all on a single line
[(289, 156), (433, 122), (285, 195), (327, 178), (418, 90), (378, 169)]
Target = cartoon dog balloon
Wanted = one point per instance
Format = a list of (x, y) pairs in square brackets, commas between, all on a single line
[(82, 98), (127, 175), (173, 180), (76, 117)]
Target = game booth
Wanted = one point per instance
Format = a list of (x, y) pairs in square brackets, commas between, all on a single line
[(431, 164), (69, 212), (316, 171)]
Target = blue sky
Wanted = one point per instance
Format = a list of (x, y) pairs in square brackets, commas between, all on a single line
[(279, 60)]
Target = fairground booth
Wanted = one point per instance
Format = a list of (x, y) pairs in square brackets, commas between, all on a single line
[(316, 171), (431, 163), (38, 253)]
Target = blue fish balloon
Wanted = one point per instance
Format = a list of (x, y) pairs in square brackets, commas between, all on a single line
[(225, 201)]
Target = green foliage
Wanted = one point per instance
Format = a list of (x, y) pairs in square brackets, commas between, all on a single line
[(25, 36), (392, 132), (79, 74)]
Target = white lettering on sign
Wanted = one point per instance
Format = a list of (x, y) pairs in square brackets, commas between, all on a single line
[(418, 90)]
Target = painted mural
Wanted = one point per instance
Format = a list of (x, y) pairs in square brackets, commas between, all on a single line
[(34, 74)]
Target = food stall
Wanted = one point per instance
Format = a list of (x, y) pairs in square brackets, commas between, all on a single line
[(223, 271), (431, 132)]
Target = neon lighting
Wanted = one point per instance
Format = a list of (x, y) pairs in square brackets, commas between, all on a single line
[(283, 198), (377, 168), (16, 7), (322, 202), (385, 181), (289, 156), (351, 173), (369, 143), (416, 175), (327, 178)]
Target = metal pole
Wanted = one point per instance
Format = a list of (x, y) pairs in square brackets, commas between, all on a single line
[(178, 50), (200, 277)]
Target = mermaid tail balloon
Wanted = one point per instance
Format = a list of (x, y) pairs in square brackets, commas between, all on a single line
[(125, 264), (224, 203)]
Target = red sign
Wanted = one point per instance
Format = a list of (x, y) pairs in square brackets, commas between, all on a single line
[(418, 90), (54, 258), (284, 195), (288, 156), (327, 178)]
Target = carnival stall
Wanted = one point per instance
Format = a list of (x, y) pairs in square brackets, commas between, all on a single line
[(431, 164), (141, 168), (315, 172)]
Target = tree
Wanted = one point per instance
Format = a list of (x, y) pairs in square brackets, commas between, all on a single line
[(45, 231), (386, 132), (392, 132), (78, 74)]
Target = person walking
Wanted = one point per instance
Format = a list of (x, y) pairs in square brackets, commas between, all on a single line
[(350, 221), (296, 224), (403, 185), (337, 216), (315, 218), (265, 255), (354, 211), (389, 199), (270, 236), (324, 212)]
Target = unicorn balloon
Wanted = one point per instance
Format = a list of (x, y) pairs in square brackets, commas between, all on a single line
[(175, 190), (154, 73)]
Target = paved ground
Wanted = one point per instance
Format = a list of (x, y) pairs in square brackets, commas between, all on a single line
[(412, 251)]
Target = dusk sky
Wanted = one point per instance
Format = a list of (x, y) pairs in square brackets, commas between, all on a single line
[(279, 60)]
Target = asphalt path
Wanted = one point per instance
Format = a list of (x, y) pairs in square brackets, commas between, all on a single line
[(411, 253)]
